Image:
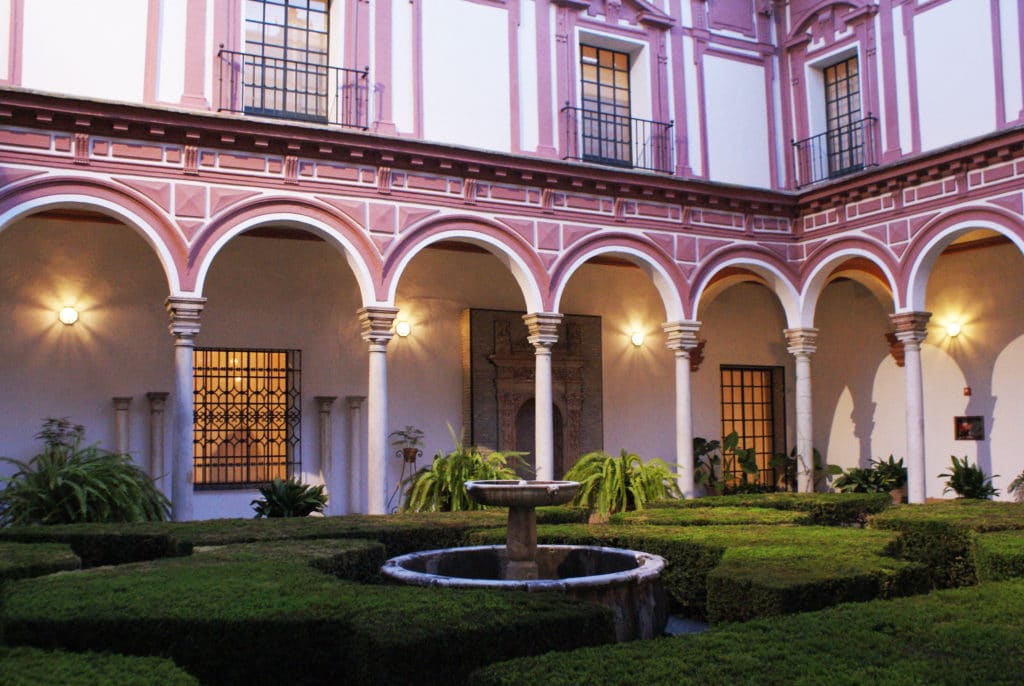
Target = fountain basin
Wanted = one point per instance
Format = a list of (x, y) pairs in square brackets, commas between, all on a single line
[(627, 581), (506, 493)]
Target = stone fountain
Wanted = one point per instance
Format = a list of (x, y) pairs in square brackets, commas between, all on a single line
[(627, 581)]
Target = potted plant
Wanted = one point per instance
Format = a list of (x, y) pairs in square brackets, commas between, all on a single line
[(893, 476), (617, 484), (968, 480), (409, 442)]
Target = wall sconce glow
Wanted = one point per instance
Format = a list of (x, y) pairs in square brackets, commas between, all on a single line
[(953, 329), (403, 328), (68, 315), (636, 338)]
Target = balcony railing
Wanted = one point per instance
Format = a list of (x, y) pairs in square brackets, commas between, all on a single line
[(841, 151), (617, 140), (287, 89)]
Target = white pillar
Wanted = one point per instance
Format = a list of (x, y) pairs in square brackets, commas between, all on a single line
[(803, 344), (357, 480), (328, 469), (157, 402), (376, 322), (184, 313), (911, 330), (682, 338), (543, 328), (122, 438)]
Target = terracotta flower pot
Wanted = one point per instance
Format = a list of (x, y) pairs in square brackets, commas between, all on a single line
[(898, 495)]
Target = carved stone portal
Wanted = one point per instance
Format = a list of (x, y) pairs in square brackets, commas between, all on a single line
[(498, 369)]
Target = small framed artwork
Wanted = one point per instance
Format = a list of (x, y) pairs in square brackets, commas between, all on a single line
[(969, 428)]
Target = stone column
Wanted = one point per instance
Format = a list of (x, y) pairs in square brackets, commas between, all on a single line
[(122, 438), (803, 344), (328, 470), (157, 402), (911, 330), (376, 322), (184, 313), (543, 328), (355, 459), (682, 338)]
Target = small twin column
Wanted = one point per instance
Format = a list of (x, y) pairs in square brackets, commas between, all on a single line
[(803, 344), (911, 330), (376, 322), (184, 313), (682, 338)]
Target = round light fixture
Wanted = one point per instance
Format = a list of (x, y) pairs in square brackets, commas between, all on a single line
[(636, 338), (953, 329), (68, 315), (403, 328)]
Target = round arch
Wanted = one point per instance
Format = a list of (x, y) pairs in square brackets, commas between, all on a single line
[(936, 237), (322, 221), (659, 267), (50, 193), (494, 237), (776, 276), (822, 266)]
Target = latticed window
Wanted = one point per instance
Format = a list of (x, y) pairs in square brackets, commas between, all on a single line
[(604, 75), (247, 416), (845, 135), (286, 45), (753, 407)]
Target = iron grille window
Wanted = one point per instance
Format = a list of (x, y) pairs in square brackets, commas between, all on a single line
[(605, 116), (247, 416), (753, 406), (845, 139), (286, 65)]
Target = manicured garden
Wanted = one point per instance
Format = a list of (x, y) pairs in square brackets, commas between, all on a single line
[(299, 600)]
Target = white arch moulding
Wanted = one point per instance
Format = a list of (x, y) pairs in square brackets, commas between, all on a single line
[(776, 281), (819, 278)]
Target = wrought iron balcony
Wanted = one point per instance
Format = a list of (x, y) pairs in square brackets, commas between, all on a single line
[(616, 140), (841, 151), (287, 89)]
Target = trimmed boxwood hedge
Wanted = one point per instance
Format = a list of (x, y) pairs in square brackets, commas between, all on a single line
[(968, 513), (1000, 555), (19, 560), (825, 509), (260, 613), (710, 516), (30, 667), (958, 637)]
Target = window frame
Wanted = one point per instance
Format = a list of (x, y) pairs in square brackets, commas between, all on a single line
[(768, 476)]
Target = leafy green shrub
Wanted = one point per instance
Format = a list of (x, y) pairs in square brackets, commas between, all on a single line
[(290, 498), (861, 480), (977, 515), (893, 471), (947, 551), (1017, 488), (825, 509), (967, 480), (707, 464), (21, 560), (617, 484), (31, 667), (1000, 555), (69, 483), (954, 638), (441, 486)]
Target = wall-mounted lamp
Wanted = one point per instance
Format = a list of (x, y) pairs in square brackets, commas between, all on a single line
[(636, 338), (68, 315), (403, 328), (953, 329)]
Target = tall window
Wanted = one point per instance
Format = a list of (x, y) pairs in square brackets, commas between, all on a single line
[(605, 105), (845, 137), (753, 407), (247, 416), (286, 48)]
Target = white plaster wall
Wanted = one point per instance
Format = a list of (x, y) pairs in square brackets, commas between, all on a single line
[(119, 347), (170, 79), (95, 49), (902, 78), (737, 122), (955, 73), (5, 38), (466, 86), (402, 73), (1010, 38), (743, 326), (693, 123), (529, 123)]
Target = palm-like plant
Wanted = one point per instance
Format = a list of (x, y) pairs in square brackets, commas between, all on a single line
[(968, 480), (289, 498), (69, 483), (441, 486), (616, 484), (1017, 488)]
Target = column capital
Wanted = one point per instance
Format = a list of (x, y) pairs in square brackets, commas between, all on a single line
[(801, 341), (122, 402), (377, 321), (324, 402), (681, 335), (157, 400), (911, 327), (355, 401), (543, 328), (184, 313)]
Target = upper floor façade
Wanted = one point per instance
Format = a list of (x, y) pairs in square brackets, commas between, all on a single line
[(767, 94)]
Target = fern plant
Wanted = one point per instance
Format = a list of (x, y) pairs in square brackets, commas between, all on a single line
[(69, 483), (968, 481), (617, 484), (441, 486), (289, 498)]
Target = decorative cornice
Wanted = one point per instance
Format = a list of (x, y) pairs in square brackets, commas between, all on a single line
[(911, 328), (543, 327), (184, 313), (376, 322), (802, 341), (681, 335)]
